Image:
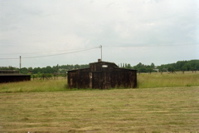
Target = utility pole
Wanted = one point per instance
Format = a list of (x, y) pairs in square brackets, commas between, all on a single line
[(101, 51), (19, 62)]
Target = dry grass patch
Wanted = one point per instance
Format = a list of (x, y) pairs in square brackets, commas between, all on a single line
[(118, 110)]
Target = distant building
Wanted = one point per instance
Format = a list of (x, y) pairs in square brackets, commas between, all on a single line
[(102, 75), (156, 70), (12, 76)]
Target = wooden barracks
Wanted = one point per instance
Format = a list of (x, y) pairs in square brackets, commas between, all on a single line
[(102, 75)]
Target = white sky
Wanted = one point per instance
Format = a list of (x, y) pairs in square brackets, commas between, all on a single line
[(130, 31)]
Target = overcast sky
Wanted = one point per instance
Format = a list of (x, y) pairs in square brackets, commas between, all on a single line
[(130, 31)]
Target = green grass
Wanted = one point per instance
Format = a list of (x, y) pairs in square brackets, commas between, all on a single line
[(35, 86), (177, 79), (154, 110), (145, 80)]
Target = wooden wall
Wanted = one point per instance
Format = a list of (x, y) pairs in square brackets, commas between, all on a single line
[(102, 75), (13, 78)]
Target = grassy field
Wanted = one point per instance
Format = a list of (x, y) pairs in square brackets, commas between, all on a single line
[(48, 106), (145, 80), (177, 79)]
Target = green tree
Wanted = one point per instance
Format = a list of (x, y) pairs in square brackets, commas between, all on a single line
[(152, 65), (171, 69)]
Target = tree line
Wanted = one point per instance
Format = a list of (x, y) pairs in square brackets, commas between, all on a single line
[(192, 65), (46, 70)]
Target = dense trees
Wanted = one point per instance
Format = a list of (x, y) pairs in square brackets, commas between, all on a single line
[(55, 69), (144, 68), (48, 69), (192, 65)]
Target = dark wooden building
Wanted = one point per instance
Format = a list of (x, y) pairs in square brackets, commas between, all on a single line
[(12, 76), (102, 75)]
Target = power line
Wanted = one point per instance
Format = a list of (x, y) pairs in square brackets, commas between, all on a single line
[(61, 53), (41, 56), (36, 52), (133, 45), (8, 58)]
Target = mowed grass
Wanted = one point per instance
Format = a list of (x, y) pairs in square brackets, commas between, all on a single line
[(162, 103), (153, 110)]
